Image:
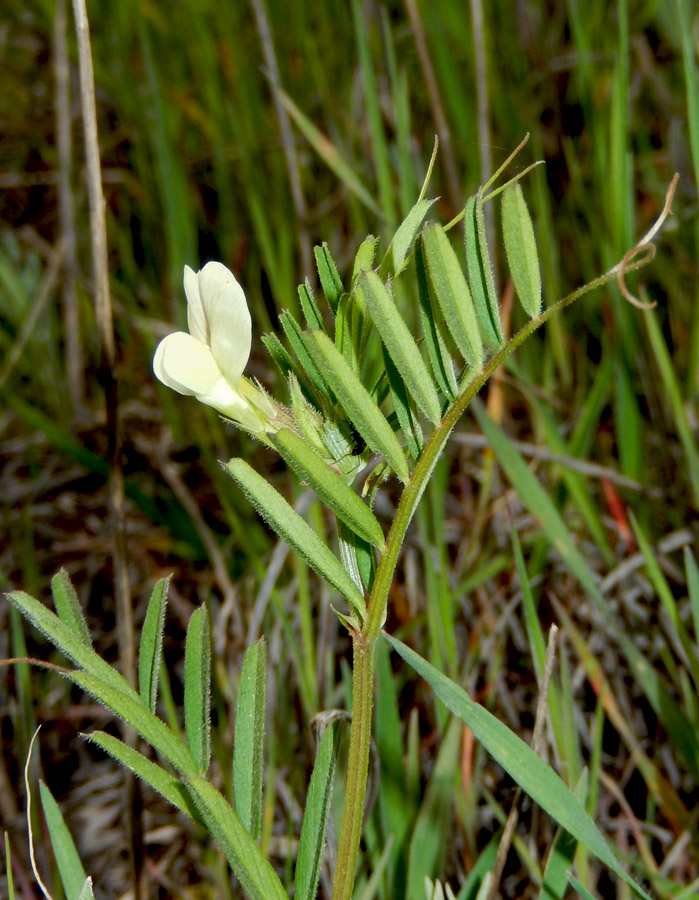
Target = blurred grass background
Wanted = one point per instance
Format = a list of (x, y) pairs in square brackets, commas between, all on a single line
[(196, 167)]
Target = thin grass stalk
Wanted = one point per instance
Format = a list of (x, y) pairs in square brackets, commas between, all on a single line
[(440, 118), (537, 745), (231, 600), (265, 32), (73, 351), (105, 326), (483, 114), (692, 90), (377, 134), (41, 298)]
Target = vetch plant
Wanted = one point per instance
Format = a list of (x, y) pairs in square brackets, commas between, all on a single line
[(344, 430)]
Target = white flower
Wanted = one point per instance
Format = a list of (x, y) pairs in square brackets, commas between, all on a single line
[(208, 362)]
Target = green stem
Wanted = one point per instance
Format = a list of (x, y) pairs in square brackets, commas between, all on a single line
[(365, 640)]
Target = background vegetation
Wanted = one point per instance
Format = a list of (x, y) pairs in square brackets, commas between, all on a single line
[(196, 167)]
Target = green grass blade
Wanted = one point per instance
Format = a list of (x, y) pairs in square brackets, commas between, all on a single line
[(359, 405), (400, 344), (295, 531), (575, 483), (667, 598), (658, 785), (151, 647), (400, 102), (669, 378), (248, 742), (518, 759), (480, 272), (8, 869), (561, 857), (65, 639), (630, 425), (197, 688), (580, 888), (130, 708), (382, 160), (430, 836), (537, 641), (177, 220), (69, 865), (483, 865), (619, 161), (691, 80), (533, 495), (167, 785), (394, 800), (330, 155), (377, 878), (449, 289), (253, 871), (693, 588), (315, 818), (536, 499), (328, 485), (520, 246), (598, 397), (68, 606)]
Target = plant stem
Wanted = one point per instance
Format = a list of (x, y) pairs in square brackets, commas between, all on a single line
[(357, 766), (365, 640)]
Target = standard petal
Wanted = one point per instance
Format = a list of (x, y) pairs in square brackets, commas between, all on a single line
[(185, 364), (228, 319), (196, 318)]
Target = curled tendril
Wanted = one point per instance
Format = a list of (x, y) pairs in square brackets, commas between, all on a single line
[(643, 251)]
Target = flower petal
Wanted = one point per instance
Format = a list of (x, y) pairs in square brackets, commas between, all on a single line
[(196, 319), (229, 329), (185, 364)]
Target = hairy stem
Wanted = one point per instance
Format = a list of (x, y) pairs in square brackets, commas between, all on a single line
[(365, 640)]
